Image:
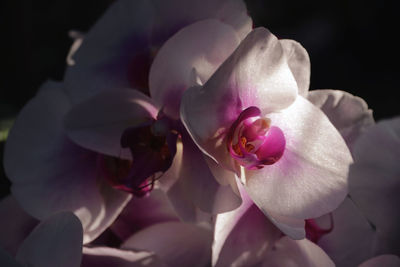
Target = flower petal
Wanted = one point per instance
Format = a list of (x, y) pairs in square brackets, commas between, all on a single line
[(311, 177), (382, 260), (374, 181), (242, 236), (143, 212), (202, 46), (115, 53), (299, 64), (352, 238), (256, 74), (301, 253), (106, 256), (348, 113), (98, 122), (177, 244), (49, 173), (15, 224), (57, 241)]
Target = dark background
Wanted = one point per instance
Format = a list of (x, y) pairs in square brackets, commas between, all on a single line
[(351, 45)]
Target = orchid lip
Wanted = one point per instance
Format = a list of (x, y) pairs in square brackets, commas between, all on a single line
[(253, 142)]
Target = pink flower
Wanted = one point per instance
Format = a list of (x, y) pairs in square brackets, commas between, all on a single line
[(251, 119), (57, 161)]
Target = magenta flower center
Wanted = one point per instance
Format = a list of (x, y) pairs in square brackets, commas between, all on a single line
[(253, 142)]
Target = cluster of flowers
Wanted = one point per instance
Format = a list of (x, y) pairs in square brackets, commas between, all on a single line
[(181, 136)]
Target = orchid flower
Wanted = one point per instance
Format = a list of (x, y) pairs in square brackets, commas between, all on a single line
[(250, 119), (53, 166), (57, 241)]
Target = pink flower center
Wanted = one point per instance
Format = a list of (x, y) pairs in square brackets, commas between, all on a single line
[(253, 142)]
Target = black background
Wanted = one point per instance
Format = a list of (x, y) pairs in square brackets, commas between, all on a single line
[(352, 45)]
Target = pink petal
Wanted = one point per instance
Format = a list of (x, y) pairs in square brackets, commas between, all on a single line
[(311, 177), (256, 74), (106, 256), (15, 224), (382, 260), (374, 181), (242, 236), (57, 241), (352, 238), (140, 213), (98, 122), (202, 46), (50, 174), (348, 113), (299, 64), (301, 253), (177, 244)]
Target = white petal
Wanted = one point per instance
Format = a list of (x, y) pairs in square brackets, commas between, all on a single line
[(348, 113), (299, 64), (256, 74), (311, 177), (202, 46)]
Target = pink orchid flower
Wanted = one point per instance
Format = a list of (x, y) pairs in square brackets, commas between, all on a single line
[(250, 117), (54, 166)]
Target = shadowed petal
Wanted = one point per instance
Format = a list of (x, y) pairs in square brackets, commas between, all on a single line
[(352, 239), (177, 244), (49, 173), (15, 224), (99, 122), (57, 241), (374, 181), (301, 253), (382, 260), (143, 212), (242, 236)]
